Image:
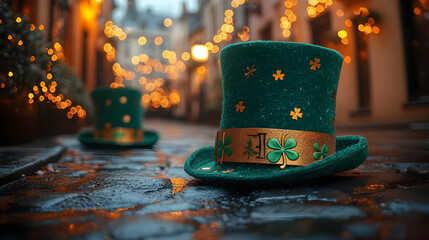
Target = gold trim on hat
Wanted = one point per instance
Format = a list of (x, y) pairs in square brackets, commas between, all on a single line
[(296, 148), (120, 135)]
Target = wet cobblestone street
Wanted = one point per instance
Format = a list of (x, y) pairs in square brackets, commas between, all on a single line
[(145, 194)]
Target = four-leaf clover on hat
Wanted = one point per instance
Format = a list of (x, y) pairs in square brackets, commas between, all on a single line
[(282, 152), (222, 148)]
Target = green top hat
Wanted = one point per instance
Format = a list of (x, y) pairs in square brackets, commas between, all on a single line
[(271, 79), (117, 107), (118, 120), (278, 109)]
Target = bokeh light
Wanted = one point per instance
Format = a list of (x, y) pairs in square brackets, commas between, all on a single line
[(199, 53)]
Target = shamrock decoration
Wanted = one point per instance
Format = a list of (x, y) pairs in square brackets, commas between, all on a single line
[(222, 149), (278, 75), (117, 134), (282, 151), (296, 113), (240, 107), (315, 65), (249, 150), (320, 152), (250, 71)]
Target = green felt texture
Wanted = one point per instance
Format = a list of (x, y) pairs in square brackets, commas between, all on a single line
[(87, 139), (267, 102), (253, 98), (115, 112), (351, 152)]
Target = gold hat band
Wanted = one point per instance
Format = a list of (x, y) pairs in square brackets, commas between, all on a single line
[(120, 135), (273, 146)]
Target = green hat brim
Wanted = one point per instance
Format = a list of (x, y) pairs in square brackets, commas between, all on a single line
[(87, 139), (351, 152)]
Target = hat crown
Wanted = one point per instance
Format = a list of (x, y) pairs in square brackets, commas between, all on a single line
[(279, 85), (117, 107)]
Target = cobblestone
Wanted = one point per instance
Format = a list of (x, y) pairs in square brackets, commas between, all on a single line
[(145, 194)]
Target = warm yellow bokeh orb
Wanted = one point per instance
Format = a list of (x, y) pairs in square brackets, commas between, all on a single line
[(158, 41), (57, 46), (142, 41), (107, 47), (229, 13), (165, 103), (174, 97), (135, 60), (347, 59), (201, 69), (186, 56), (168, 22), (146, 98), (376, 30), (342, 33), (199, 53), (348, 23)]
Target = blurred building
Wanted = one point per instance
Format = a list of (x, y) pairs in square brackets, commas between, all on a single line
[(201, 84), (77, 25), (385, 75), (187, 31), (146, 34), (213, 14)]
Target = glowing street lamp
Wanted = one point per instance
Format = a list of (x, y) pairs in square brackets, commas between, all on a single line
[(199, 53)]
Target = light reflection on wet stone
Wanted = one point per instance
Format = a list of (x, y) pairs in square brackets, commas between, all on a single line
[(144, 193), (294, 211)]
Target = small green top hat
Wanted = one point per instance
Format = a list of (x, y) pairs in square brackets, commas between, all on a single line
[(118, 120), (278, 108)]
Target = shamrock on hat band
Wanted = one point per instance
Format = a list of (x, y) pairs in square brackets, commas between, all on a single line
[(273, 146), (120, 135)]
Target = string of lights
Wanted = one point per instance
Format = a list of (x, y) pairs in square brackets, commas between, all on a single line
[(287, 20), (46, 89), (145, 65), (365, 24), (317, 7)]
